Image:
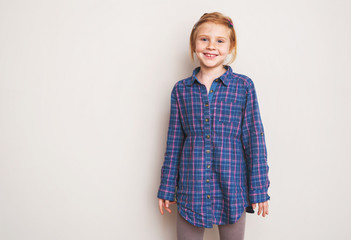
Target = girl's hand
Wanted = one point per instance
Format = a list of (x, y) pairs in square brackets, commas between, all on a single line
[(262, 207), (165, 203)]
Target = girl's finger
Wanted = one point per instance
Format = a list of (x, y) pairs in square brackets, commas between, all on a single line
[(264, 209), (259, 208), (167, 206), (160, 205)]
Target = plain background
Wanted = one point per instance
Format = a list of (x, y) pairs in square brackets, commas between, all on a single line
[(84, 109)]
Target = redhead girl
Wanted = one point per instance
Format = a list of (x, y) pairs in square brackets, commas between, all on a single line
[(215, 164)]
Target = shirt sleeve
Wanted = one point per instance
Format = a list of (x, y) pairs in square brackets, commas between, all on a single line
[(253, 139), (175, 140)]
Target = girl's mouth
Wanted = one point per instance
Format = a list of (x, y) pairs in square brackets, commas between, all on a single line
[(210, 56)]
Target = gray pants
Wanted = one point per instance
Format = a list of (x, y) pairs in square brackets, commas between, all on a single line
[(187, 231)]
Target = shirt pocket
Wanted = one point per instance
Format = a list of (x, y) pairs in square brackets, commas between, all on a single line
[(228, 112)]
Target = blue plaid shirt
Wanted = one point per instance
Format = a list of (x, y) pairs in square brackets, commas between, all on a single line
[(215, 163)]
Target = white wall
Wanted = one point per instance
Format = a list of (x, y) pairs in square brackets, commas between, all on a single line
[(84, 110)]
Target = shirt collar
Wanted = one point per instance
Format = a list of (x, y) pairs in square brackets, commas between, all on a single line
[(224, 78)]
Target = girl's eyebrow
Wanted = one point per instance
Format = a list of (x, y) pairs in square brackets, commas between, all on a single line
[(203, 35)]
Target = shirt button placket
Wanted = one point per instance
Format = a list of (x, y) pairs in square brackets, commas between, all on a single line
[(208, 158)]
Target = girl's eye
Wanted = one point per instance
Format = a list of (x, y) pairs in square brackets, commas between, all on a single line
[(220, 41), (203, 39)]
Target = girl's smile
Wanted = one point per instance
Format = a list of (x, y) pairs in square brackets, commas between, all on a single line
[(210, 56)]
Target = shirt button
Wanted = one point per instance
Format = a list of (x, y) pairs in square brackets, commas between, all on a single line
[(211, 91), (208, 151), (208, 136), (216, 80), (206, 119), (208, 166), (208, 196), (207, 180), (206, 104), (261, 133)]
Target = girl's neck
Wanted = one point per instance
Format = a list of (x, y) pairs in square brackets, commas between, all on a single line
[(206, 75)]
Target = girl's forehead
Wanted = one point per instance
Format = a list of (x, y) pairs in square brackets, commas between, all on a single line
[(213, 29)]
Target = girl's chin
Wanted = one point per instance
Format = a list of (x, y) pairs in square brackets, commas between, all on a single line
[(211, 64)]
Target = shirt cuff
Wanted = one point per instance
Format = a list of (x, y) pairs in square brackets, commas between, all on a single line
[(165, 194), (258, 196)]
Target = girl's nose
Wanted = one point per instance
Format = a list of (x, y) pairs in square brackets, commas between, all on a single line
[(210, 45)]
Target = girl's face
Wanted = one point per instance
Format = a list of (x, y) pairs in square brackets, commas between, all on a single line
[(212, 44)]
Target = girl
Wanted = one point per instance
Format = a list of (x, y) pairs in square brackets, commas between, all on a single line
[(215, 165)]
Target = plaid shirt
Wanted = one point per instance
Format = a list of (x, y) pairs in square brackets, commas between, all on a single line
[(215, 163)]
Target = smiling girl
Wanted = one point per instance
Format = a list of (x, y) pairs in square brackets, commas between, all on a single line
[(215, 166)]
